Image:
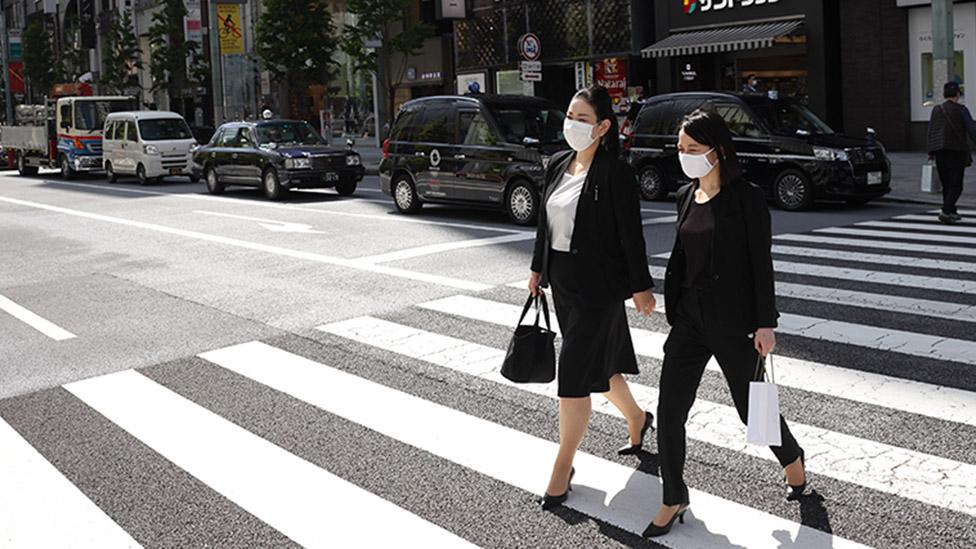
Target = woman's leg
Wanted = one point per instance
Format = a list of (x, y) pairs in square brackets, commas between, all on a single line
[(574, 417), (619, 395)]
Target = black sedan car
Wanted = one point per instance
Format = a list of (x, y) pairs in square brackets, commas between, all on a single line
[(276, 155)]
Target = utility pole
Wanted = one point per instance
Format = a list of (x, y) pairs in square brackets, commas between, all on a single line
[(943, 45), (216, 63), (7, 99)]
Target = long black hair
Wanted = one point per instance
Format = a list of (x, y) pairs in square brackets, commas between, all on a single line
[(599, 98), (709, 128)]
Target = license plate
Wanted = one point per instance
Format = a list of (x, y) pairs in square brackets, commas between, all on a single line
[(331, 176), (874, 178), (175, 171)]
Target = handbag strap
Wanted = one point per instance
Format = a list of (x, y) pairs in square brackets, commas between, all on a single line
[(760, 374), (955, 128), (544, 309)]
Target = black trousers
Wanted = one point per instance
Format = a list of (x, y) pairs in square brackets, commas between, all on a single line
[(951, 166), (698, 334)]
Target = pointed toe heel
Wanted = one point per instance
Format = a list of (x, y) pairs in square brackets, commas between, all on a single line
[(794, 493), (632, 449), (551, 502), (653, 530)]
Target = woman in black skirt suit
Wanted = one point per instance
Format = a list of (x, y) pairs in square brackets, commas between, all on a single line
[(720, 302), (590, 248)]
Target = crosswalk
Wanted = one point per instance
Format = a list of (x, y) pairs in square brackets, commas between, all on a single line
[(884, 406)]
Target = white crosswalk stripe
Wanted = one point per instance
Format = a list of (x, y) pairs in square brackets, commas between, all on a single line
[(881, 259), (903, 247), (925, 237), (904, 226)]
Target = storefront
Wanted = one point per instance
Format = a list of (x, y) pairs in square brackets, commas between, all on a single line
[(790, 46)]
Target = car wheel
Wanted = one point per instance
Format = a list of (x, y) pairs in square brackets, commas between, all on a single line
[(793, 191), (214, 186), (652, 184), (67, 172), (141, 175), (522, 203), (272, 185), (405, 195), (110, 173), (23, 168), (346, 188)]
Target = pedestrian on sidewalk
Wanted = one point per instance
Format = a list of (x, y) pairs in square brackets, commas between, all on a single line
[(590, 246), (720, 302), (950, 127)]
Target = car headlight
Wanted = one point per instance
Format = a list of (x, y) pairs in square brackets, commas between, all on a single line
[(824, 153), (353, 160), (151, 149), (301, 163)]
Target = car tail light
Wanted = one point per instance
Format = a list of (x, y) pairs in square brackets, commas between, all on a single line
[(626, 142), (386, 148)]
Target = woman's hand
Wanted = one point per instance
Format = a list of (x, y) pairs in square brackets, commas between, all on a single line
[(534, 288), (645, 302), (765, 341)]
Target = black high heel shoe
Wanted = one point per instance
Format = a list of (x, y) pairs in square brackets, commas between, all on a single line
[(632, 449), (549, 502), (794, 493), (653, 530)]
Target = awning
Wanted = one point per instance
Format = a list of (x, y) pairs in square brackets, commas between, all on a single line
[(729, 38)]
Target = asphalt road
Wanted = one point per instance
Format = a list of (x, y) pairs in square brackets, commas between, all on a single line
[(322, 371)]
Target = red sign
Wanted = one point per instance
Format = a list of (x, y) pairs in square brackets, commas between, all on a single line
[(612, 74), (17, 77)]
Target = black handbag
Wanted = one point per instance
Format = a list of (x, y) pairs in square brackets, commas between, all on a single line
[(531, 356)]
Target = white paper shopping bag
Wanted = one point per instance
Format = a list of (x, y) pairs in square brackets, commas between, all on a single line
[(930, 179), (763, 421)]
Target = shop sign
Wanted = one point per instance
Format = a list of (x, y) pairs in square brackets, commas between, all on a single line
[(695, 6), (471, 83), (583, 76), (530, 71), (530, 47), (192, 26), (16, 50), (450, 9), (229, 29), (612, 74), (689, 74)]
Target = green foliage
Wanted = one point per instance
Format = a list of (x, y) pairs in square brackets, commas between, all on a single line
[(169, 51), (384, 20), (38, 53), (120, 53), (296, 41)]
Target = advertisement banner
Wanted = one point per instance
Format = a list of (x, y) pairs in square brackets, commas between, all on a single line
[(229, 29), (612, 74), (17, 77)]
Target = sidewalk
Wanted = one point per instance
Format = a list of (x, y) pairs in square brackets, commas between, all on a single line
[(906, 176), (368, 151)]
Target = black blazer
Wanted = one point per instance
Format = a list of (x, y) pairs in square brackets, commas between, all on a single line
[(608, 236), (742, 264)]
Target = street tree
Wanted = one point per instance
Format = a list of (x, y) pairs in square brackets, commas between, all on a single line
[(171, 54), (121, 53), (40, 72), (297, 52), (385, 20)]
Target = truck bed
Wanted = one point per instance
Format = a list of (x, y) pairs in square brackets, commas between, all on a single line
[(31, 138)]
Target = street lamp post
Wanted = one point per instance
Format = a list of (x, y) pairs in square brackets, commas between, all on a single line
[(943, 44)]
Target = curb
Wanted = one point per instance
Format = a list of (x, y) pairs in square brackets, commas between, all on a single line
[(923, 202)]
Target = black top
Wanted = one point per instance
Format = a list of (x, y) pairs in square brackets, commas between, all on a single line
[(696, 240), (608, 237), (949, 127)]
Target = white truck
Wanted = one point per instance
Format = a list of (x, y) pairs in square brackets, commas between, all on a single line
[(65, 133)]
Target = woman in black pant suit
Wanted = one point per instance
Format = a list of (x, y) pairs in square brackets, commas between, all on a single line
[(590, 247), (720, 301)]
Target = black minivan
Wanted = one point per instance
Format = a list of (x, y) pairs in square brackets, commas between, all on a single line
[(782, 145), (479, 150)]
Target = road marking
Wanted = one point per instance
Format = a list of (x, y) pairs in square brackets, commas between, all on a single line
[(904, 395), (917, 226), (605, 490), (881, 302), (906, 473), (880, 259), (304, 502), (660, 220), (933, 218), (39, 507), (654, 210), (287, 252), (270, 224), (880, 244), (35, 321), (261, 204), (431, 249), (924, 237)]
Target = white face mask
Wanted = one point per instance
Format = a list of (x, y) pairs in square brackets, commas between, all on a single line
[(696, 166), (578, 134)]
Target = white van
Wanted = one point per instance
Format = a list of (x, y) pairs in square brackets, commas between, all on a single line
[(147, 144)]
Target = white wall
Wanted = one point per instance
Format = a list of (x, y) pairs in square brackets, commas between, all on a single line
[(920, 42)]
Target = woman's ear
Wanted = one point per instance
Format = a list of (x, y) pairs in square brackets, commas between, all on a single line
[(603, 127)]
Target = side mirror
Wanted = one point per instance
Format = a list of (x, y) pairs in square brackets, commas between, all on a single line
[(530, 141), (803, 133), (872, 135), (350, 142), (66, 124)]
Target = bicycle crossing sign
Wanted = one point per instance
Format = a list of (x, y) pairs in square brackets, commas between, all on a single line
[(229, 29)]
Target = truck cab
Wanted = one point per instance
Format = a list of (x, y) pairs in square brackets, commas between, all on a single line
[(79, 123)]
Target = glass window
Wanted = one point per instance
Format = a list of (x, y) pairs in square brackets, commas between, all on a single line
[(681, 109), (520, 121), (437, 125), (740, 122), (130, 131), (786, 117), (227, 137), (109, 131), (474, 129), (65, 116), (405, 127), (245, 138), (90, 114), (159, 129), (286, 133)]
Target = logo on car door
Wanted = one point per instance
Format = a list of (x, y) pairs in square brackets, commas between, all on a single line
[(435, 158)]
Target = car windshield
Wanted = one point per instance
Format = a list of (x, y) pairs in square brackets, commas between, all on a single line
[(786, 117), (288, 133), (90, 114), (537, 122), (159, 129)]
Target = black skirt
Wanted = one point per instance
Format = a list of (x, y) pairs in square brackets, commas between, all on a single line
[(596, 336)]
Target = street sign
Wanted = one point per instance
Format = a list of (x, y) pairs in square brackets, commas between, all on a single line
[(531, 66), (530, 47), (530, 76), (229, 29)]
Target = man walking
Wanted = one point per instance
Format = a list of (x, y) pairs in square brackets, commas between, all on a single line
[(950, 125)]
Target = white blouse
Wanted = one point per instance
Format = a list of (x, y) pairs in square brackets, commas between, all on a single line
[(561, 210)]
